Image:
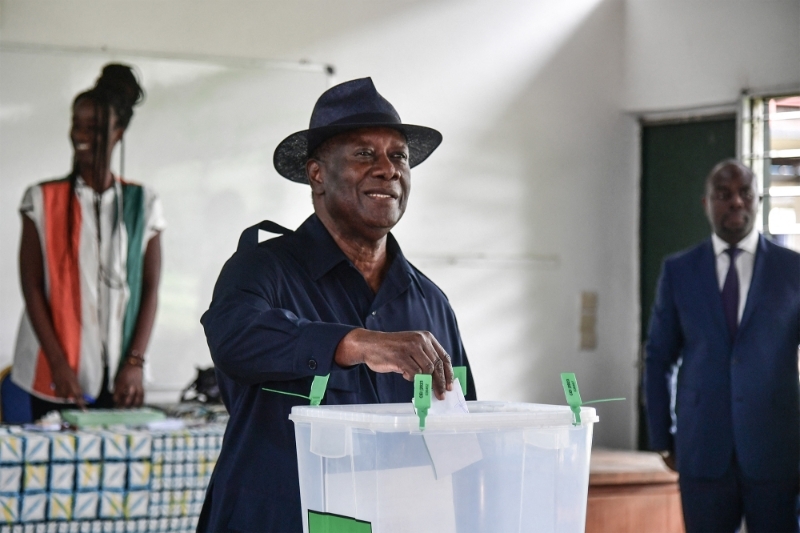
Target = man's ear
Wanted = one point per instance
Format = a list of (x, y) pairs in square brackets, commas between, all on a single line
[(314, 174)]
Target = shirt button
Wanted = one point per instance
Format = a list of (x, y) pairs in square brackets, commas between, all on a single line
[(374, 313), (312, 364)]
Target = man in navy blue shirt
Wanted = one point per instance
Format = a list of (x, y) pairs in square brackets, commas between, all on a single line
[(335, 297)]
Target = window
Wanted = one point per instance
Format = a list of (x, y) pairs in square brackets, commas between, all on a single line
[(770, 145)]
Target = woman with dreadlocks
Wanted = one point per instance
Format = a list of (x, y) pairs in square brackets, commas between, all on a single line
[(90, 261)]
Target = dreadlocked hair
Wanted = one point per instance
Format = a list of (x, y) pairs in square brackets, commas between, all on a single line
[(117, 88)]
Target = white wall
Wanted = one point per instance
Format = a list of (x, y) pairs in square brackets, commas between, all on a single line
[(198, 141), (532, 197), (692, 53)]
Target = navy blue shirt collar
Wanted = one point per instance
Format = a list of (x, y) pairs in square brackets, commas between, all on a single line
[(320, 254)]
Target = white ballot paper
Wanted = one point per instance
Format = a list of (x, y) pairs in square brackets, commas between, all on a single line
[(450, 452), (453, 403)]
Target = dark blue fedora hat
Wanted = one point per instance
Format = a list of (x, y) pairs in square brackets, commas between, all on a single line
[(348, 106)]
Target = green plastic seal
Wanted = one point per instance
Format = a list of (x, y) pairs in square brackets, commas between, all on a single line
[(570, 383), (422, 397), (318, 388), (460, 372)]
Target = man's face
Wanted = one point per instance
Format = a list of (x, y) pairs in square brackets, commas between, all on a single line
[(361, 182), (730, 203)]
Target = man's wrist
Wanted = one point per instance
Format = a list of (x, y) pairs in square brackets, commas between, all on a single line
[(347, 352)]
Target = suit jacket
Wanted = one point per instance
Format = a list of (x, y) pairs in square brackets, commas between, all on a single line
[(733, 396)]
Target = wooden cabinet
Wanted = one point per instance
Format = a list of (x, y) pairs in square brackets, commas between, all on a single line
[(632, 492)]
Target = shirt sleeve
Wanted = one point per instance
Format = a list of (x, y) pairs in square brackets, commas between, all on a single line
[(26, 206), (32, 206), (252, 339), (154, 215)]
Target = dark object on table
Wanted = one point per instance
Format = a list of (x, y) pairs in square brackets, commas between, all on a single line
[(15, 403), (194, 413), (204, 389)]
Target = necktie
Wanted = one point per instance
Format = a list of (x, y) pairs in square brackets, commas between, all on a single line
[(730, 293)]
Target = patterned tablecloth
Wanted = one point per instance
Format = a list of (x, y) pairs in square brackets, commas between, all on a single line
[(115, 480)]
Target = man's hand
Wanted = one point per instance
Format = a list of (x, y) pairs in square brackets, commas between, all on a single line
[(66, 384), (407, 352), (128, 388)]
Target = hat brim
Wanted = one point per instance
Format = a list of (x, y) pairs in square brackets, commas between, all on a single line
[(291, 155)]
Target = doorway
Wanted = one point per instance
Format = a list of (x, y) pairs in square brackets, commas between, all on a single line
[(676, 157)]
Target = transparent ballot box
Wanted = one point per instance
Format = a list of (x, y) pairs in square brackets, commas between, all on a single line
[(504, 467)]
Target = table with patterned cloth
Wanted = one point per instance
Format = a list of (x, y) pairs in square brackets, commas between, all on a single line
[(115, 480)]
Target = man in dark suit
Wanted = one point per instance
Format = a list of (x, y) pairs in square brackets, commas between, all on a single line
[(727, 316)]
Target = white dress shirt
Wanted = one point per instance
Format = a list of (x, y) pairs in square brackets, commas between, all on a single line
[(744, 263)]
